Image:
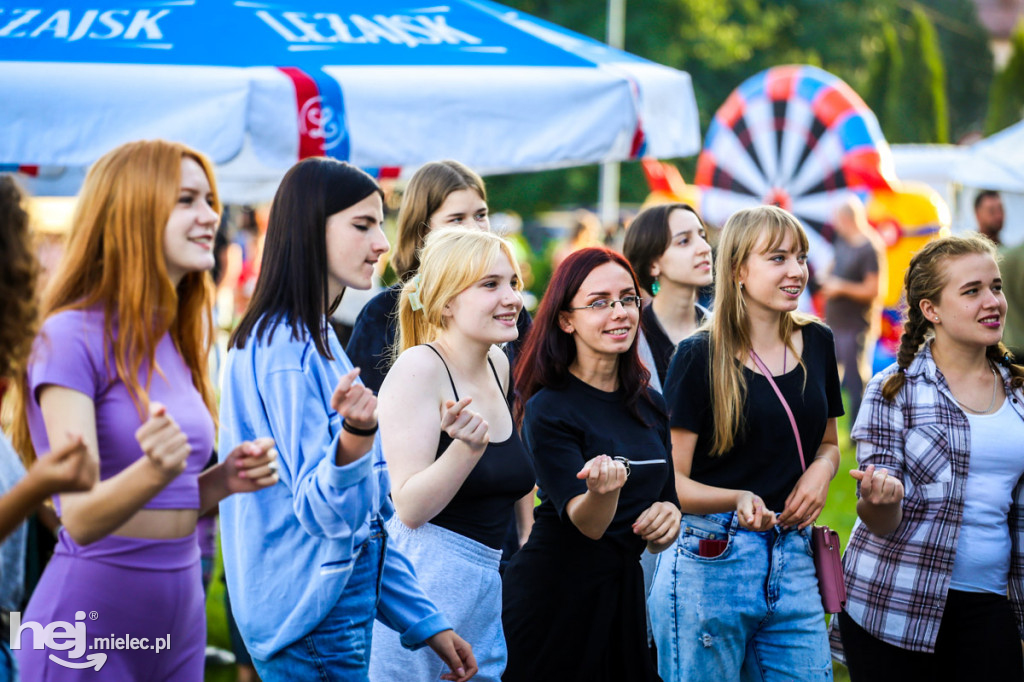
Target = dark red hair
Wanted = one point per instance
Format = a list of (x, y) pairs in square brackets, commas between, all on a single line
[(548, 351)]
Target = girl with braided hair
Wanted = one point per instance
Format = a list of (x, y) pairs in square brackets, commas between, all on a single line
[(935, 564)]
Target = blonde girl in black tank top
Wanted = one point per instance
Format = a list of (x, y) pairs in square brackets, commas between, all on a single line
[(457, 464)]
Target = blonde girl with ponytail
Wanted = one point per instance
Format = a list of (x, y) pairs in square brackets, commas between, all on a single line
[(746, 497), (440, 195), (935, 564), (458, 467)]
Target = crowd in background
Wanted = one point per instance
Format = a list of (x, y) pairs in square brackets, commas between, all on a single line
[(620, 486)]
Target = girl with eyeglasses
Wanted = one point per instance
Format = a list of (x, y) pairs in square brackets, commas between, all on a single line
[(598, 436), (737, 597)]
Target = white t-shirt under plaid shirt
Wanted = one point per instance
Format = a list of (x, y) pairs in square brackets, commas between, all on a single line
[(897, 584)]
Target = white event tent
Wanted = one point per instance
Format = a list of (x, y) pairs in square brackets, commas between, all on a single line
[(381, 83), (958, 172)]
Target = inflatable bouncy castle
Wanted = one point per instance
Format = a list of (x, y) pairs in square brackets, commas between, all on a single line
[(801, 138)]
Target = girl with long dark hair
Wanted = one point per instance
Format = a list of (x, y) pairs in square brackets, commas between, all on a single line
[(668, 249), (305, 560)]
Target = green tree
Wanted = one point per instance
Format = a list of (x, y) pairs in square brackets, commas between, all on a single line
[(884, 74), (906, 88), (925, 82), (720, 43), (964, 45), (1007, 104)]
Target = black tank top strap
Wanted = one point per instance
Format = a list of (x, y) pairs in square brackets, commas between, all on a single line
[(501, 388), (450, 379)]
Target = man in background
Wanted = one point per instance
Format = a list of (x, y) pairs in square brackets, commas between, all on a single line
[(853, 294), (989, 214), (1012, 270)]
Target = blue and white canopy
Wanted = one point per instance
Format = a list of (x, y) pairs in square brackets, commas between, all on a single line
[(381, 83)]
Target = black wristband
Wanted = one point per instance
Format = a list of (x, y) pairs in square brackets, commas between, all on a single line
[(356, 431)]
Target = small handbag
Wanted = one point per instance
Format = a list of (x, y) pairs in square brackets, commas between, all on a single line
[(828, 563)]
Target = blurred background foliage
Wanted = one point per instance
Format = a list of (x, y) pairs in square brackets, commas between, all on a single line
[(1007, 104), (924, 68)]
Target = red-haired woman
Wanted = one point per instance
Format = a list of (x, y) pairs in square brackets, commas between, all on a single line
[(121, 362), (599, 440)]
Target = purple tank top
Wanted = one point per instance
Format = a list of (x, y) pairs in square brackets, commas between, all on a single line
[(69, 352)]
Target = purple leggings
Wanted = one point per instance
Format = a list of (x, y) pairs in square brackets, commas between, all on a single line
[(119, 605)]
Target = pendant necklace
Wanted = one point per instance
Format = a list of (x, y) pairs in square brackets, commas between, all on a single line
[(991, 404)]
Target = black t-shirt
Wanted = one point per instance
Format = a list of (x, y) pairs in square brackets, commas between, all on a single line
[(566, 427), (852, 263), (661, 345), (764, 457), (373, 335), (482, 507)]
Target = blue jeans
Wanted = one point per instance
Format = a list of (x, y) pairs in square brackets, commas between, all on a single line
[(8, 666), (339, 647), (752, 613)]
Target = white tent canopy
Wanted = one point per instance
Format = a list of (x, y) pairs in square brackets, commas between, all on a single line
[(381, 83), (958, 173)]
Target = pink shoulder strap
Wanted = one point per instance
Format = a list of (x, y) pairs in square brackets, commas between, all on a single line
[(789, 412)]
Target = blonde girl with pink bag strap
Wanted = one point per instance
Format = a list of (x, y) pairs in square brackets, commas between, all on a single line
[(738, 596)]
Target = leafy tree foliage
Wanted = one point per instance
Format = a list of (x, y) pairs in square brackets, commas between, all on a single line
[(964, 45), (885, 71), (723, 42), (1007, 104), (720, 43), (907, 91)]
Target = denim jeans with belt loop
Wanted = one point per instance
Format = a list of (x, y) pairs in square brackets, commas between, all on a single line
[(339, 647), (752, 613)]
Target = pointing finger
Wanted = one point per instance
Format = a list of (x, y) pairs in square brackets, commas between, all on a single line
[(342, 388)]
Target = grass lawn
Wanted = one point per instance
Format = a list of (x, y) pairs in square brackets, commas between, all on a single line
[(839, 514), (217, 625)]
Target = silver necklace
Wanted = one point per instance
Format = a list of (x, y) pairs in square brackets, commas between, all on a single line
[(991, 404)]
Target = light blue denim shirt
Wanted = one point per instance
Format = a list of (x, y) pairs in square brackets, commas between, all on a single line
[(289, 549)]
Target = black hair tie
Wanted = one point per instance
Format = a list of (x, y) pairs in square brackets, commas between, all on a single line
[(356, 431)]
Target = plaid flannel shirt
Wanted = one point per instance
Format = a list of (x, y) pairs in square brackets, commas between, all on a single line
[(897, 584)]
